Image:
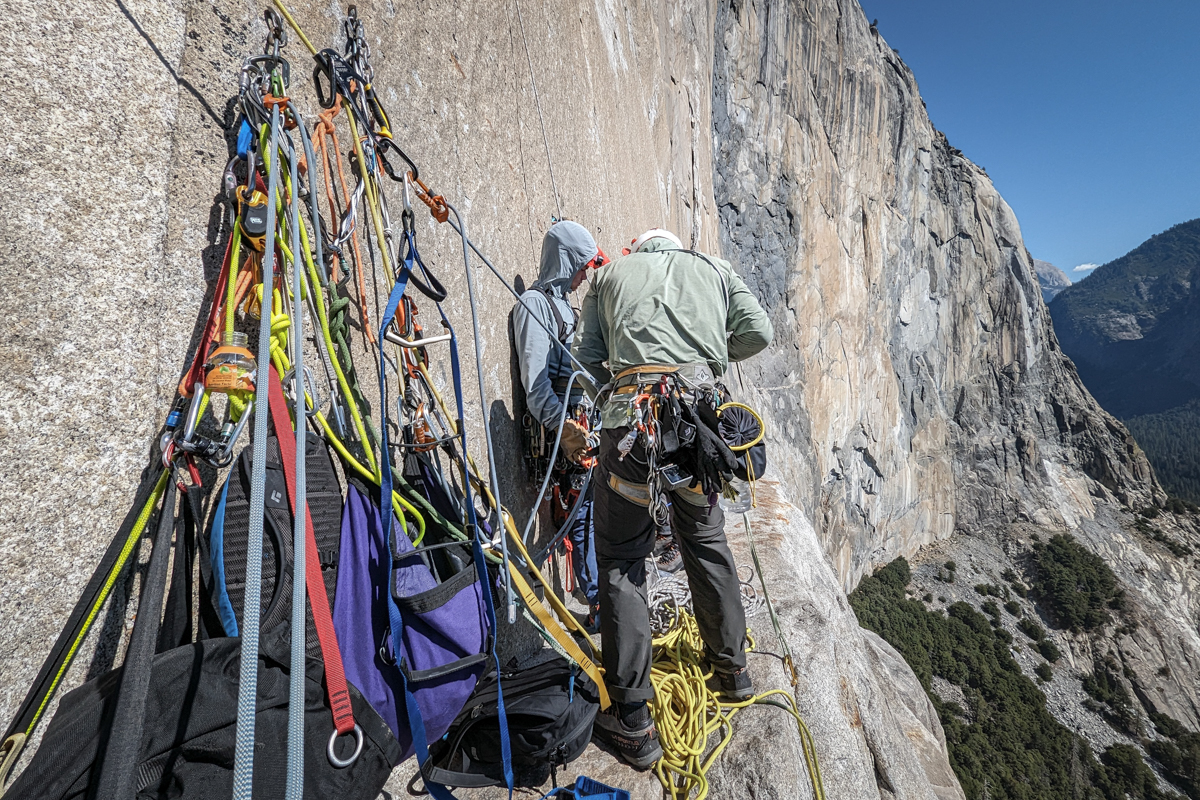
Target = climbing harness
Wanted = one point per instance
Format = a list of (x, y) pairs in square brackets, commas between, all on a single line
[(665, 409), (554, 451), (686, 711)]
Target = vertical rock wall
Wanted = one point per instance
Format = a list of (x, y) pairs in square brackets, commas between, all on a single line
[(916, 387), (120, 115)]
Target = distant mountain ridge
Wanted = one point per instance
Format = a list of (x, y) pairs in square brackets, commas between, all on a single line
[(1052, 279), (1133, 327)]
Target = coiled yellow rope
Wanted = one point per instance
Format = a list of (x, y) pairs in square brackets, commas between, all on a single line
[(687, 713), (762, 429)]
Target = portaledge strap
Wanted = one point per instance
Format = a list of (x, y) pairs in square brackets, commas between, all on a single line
[(565, 640), (335, 673)]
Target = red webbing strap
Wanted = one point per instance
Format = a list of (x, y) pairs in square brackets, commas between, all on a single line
[(196, 370), (335, 674)]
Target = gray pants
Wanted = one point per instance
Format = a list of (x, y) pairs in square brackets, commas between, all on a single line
[(624, 538)]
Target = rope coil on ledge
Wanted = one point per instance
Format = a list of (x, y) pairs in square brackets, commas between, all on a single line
[(687, 712)]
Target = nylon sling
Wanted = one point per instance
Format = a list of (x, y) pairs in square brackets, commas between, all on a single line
[(243, 763), (298, 499), (118, 771), (87, 608)]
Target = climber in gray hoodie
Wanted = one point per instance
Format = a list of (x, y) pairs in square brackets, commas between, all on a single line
[(568, 250)]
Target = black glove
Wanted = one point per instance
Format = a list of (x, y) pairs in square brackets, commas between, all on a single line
[(675, 432), (713, 462), (707, 414)]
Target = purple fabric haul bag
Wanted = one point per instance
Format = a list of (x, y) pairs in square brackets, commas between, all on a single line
[(446, 640)]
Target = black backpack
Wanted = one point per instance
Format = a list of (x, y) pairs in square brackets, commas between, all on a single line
[(228, 531), (185, 750), (164, 724), (550, 708)]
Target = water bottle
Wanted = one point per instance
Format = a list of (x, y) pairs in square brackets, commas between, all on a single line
[(231, 366), (735, 499)]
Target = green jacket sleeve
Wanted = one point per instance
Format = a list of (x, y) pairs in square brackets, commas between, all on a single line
[(589, 346), (750, 330)]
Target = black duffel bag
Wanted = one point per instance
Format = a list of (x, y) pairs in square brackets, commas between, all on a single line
[(187, 741), (550, 707)]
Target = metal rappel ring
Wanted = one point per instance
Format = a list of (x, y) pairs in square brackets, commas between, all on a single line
[(358, 746)]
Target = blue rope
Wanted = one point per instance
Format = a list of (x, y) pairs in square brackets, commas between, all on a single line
[(295, 740)]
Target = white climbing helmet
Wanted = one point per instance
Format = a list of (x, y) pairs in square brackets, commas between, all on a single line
[(655, 233)]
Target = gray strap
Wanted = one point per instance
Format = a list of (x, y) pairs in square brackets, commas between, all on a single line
[(564, 332), (243, 753), (119, 768), (295, 740), (498, 531)]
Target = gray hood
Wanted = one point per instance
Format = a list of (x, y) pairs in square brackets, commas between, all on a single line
[(566, 249)]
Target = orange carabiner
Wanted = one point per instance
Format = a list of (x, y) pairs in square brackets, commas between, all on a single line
[(436, 203)]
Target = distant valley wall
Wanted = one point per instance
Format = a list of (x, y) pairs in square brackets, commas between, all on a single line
[(1133, 327)]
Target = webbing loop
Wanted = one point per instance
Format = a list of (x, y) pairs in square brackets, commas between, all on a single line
[(10, 751), (243, 762), (342, 763)]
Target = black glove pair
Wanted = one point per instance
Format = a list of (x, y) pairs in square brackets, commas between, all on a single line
[(713, 462)]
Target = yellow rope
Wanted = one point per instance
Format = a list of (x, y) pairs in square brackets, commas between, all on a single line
[(280, 323), (687, 713), (235, 249), (295, 26), (311, 285)]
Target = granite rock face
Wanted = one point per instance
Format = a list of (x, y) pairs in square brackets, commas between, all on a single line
[(916, 387), (515, 112), (914, 390)]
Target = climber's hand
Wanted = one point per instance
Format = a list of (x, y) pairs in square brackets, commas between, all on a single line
[(574, 442)]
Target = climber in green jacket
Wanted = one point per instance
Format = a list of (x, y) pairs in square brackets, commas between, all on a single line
[(661, 310)]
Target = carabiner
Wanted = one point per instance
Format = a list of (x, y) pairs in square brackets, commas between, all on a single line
[(310, 388), (406, 196), (407, 218)]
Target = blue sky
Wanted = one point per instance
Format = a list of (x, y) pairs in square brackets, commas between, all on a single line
[(1086, 115)]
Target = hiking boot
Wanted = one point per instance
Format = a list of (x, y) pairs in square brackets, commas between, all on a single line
[(736, 686), (630, 732), (670, 559)]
